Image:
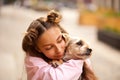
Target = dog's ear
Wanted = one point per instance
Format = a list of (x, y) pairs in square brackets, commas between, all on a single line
[(66, 37)]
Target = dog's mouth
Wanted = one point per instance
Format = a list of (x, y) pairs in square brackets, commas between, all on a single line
[(83, 56), (87, 52)]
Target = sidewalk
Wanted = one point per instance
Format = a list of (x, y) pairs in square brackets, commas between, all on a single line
[(14, 21)]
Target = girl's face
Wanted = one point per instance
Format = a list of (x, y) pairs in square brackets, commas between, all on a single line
[(51, 43)]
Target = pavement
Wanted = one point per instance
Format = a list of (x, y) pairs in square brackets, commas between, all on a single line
[(15, 20)]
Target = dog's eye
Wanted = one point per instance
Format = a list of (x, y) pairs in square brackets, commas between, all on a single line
[(79, 43)]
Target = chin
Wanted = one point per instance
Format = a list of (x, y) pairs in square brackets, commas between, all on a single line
[(59, 57)]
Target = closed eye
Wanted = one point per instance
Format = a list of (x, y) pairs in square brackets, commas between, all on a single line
[(49, 47)]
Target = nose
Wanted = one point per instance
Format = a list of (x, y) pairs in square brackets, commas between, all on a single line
[(58, 49), (89, 51)]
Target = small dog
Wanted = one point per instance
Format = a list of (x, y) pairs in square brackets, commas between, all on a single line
[(76, 49)]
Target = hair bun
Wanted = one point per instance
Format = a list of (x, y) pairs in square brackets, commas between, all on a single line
[(54, 16)]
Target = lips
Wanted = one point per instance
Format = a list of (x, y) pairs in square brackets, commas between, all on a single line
[(60, 55)]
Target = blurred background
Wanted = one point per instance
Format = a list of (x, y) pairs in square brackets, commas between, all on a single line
[(95, 21)]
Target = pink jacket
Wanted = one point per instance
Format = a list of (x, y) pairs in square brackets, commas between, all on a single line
[(38, 69)]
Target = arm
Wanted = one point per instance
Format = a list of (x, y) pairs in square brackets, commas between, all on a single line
[(38, 69)]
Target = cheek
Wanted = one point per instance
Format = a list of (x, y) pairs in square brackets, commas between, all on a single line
[(49, 53)]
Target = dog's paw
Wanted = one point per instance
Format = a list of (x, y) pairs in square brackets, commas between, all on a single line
[(56, 63)]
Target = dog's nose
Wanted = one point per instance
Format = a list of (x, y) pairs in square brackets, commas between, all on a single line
[(89, 51)]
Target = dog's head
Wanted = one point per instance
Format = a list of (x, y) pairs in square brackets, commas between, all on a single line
[(77, 49)]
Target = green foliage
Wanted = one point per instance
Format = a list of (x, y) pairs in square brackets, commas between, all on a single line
[(112, 14), (111, 29)]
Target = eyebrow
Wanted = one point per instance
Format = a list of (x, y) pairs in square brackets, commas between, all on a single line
[(56, 39)]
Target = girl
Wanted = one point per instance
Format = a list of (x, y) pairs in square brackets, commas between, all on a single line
[(43, 43)]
